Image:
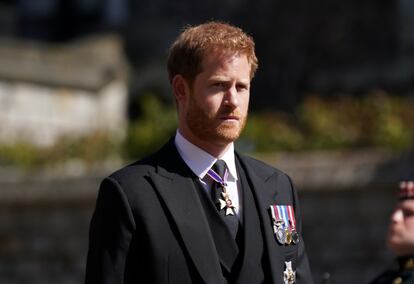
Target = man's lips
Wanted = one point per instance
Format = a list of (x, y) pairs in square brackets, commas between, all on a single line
[(230, 117)]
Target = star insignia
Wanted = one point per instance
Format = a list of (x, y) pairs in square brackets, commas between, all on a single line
[(226, 203), (222, 204), (229, 211)]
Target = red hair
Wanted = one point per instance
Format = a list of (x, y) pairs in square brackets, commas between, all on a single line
[(187, 52)]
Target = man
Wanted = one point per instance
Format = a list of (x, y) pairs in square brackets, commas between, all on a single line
[(197, 211), (401, 238)]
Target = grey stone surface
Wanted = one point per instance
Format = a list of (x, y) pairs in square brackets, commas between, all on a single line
[(87, 63), (49, 90), (337, 170)]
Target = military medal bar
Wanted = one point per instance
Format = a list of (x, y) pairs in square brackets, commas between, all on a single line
[(284, 224)]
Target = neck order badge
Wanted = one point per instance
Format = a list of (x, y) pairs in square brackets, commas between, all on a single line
[(284, 224), (225, 201)]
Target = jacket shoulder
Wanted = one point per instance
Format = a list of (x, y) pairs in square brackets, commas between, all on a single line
[(261, 168), (136, 169), (134, 173)]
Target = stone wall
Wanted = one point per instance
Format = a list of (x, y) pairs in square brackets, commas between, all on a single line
[(43, 226), (345, 232), (48, 90), (42, 243), (41, 115)]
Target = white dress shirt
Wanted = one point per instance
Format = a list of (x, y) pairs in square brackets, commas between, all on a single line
[(199, 161)]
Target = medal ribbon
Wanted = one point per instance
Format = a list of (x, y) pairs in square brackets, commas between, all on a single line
[(283, 213), (292, 217), (217, 178), (272, 211), (275, 214)]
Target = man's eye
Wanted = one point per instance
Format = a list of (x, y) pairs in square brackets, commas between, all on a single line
[(241, 88), (408, 213), (219, 84)]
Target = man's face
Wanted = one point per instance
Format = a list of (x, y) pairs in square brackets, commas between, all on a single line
[(215, 111), (401, 230)]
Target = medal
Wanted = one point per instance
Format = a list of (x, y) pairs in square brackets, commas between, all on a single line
[(289, 275), (295, 237), (226, 203), (280, 235), (278, 225), (283, 212), (288, 234), (294, 234)]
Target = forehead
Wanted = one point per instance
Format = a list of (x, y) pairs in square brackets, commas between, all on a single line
[(220, 58)]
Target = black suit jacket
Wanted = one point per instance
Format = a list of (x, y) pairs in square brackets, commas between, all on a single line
[(401, 272), (149, 225)]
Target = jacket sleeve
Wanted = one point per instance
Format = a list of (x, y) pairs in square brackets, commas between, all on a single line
[(110, 234)]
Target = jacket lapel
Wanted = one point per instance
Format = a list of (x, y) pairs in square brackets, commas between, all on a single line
[(253, 246), (174, 183), (264, 197)]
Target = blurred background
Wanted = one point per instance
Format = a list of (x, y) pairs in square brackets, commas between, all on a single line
[(84, 90)]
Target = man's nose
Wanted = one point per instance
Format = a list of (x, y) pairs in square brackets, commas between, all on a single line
[(231, 97), (397, 216)]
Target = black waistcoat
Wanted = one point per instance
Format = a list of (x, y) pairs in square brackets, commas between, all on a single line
[(241, 259)]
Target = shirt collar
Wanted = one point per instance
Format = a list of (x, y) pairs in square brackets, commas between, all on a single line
[(199, 161)]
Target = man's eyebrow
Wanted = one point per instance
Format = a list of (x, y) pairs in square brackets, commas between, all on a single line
[(245, 82), (225, 79), (407, 207), (219, 78)]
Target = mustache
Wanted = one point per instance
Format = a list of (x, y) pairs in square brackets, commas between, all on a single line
[(230, 112)]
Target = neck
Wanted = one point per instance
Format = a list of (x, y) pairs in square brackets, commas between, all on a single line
[(216, 149)]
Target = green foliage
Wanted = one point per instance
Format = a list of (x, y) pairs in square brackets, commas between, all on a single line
[(271, 132), (394, 122), (376, 120), (90, 149), (22, 154), (156, 124), (341, 122), (328, 124)]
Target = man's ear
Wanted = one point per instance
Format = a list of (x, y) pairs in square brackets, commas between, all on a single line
[(180, 88)]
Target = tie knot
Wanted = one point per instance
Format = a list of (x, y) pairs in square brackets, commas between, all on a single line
[(220, 167)]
